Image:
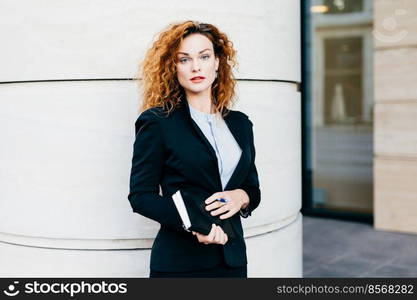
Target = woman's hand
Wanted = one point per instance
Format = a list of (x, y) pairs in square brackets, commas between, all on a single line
[(216, 236), (235, 200)]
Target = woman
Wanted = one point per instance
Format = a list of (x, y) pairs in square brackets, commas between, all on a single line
[(188, 139)]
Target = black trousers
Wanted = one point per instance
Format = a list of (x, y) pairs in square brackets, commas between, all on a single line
[(218, 271)]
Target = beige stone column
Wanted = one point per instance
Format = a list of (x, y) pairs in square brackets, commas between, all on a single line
[(66, 145), (395, 161)]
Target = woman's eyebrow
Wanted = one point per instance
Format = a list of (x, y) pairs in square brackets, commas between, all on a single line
[(185, 53)]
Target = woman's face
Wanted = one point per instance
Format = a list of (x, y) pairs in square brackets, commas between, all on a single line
[(196, 64)]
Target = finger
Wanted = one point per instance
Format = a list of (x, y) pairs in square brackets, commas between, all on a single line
[(200, 237), (223, 237), (220, 210), (210, 237), (213, 198), (227, 215), (213, 205), (226, 238), (218, 238)]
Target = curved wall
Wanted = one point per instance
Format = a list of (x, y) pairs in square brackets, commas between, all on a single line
[(66, 145)]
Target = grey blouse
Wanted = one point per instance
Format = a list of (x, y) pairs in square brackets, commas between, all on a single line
[(221, 139)]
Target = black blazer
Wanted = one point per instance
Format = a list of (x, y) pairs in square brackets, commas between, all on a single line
[(172, 152)]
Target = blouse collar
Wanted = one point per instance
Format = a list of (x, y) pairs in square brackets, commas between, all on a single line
[(202, 115)]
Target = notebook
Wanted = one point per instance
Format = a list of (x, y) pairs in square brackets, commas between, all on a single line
[(179, 204), (202, 220)]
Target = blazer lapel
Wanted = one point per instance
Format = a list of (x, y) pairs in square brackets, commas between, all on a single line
[(203, 139), (236, 131)]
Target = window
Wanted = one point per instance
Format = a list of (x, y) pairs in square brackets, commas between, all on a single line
[(337, 108)]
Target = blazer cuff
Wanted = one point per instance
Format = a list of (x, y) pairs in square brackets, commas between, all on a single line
[(245, 212), (254, 198)]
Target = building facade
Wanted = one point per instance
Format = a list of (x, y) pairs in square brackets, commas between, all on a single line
[(395, 157), (360, 111)]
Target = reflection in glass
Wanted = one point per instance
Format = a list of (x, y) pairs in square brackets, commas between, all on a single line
[(343, 6), (343, 80), (342, 149)]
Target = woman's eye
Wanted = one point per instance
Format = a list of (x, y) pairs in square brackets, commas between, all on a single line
[(183, 60), (205, 57)]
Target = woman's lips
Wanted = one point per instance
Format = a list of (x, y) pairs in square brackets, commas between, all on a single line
[(197, 79)]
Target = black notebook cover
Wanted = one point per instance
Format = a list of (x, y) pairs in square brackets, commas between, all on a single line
[(201, 219)]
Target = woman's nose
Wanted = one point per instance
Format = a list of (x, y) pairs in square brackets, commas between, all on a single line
[(196, 65)]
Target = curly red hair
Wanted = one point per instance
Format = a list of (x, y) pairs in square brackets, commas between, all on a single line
[(158, 70)]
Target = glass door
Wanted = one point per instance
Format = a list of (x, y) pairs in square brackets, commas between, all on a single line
[(338, 107)]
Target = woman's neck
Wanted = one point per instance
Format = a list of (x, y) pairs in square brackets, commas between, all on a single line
[(201, 103)]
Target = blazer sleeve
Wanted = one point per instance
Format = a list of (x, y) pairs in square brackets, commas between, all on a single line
[(251, 183), (147, 167)]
